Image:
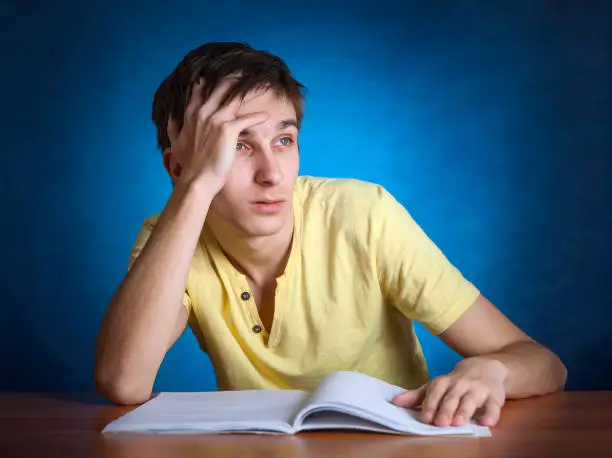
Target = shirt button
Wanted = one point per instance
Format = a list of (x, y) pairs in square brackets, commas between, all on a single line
[(256, 329), (245, 296)]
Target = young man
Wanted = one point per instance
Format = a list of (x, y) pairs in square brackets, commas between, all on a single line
[(285, 279)]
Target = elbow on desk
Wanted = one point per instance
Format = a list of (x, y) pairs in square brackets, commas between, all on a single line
[(555, 376), (120, 392)]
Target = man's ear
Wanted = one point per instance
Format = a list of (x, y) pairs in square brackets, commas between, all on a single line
[(171, 165)]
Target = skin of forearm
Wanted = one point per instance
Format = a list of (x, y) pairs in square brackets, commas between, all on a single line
[(531, 369), (141, 317)]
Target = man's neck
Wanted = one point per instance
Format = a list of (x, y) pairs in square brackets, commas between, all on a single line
[(261, 259)]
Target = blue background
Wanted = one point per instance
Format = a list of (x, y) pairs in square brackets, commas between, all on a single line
[(490, 121)]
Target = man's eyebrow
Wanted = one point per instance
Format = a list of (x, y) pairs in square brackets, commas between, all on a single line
[(282, 125)]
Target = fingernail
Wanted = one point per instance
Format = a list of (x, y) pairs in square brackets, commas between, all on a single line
[(459, 420)]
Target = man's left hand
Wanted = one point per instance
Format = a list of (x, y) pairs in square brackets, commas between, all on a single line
[(476, 385)]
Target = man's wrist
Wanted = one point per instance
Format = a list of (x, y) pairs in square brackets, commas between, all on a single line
[(203, 189), (485, 366)]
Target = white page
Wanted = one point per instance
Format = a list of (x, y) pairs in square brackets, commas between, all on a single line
[(370, 399), (335, 420), (211, 412)]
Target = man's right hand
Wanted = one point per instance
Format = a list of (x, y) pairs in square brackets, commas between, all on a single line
[(205, 148)]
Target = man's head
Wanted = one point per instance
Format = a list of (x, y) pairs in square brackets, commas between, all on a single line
[(267, 159)]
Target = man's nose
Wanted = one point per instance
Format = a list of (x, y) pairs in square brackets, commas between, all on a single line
[(268, 172)]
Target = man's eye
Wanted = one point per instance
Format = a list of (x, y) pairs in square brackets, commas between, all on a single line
[(240, 147), (288, 141)]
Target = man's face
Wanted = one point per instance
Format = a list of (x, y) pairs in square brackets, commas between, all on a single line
[(257, 197)]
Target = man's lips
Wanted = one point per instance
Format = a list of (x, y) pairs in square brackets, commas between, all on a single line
[(268, 206)]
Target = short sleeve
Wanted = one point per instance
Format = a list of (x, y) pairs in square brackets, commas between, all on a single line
[(141, 239), (415, 276)]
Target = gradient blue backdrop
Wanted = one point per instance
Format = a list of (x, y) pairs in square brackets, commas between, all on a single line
[(490, 121)]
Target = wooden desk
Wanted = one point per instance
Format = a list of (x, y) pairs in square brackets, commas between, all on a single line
[(570, 424)]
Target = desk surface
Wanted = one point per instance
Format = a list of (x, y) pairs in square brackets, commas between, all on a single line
[(569, 424)]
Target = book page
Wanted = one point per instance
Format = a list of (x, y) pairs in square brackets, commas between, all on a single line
[(370, 399), (211, 412), (334, 420)]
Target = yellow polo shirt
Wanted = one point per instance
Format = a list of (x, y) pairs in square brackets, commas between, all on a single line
[(359, 273)]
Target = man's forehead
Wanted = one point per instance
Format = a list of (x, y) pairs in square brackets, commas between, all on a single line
[(265, 100), (283, 124), (281, 111)]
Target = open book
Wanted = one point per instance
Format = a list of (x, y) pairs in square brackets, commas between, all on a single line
[(342, 401)]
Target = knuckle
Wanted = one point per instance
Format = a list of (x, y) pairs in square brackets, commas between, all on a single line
[(218, 122), (440, 381), (451, 396), (202, 115), (470, 401), (225, 128), (435, 394), (462, 385), (429, 403)]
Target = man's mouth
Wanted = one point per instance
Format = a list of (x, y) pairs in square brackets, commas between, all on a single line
[(268, 206)]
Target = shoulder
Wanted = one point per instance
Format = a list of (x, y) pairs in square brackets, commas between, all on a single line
[(339, 193), (346, 205)]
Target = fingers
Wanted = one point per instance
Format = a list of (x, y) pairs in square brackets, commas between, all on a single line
[(436, 390), (455, 405), (196, 100), (448, 406), (411, 398), (221, 115), (216, 97), (469, 403), (244, 122), (228, 111), (197, 108), (491, 413), (194, 103)]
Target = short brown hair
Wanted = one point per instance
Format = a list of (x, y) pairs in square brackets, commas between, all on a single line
[(213, 61)]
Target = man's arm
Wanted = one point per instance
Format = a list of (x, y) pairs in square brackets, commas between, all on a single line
[(501, 362), (484, 332), (146, 314)]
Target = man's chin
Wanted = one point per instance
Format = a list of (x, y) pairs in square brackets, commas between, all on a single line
[(263, 230), (262, 226)]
